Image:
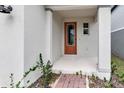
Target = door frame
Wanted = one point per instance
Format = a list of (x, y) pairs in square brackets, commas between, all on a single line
[(65, 38)]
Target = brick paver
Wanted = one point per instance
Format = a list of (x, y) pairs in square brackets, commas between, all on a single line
[(71, 81)]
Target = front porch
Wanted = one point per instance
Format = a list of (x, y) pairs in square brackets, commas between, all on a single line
[(89, 53), (70, 64)]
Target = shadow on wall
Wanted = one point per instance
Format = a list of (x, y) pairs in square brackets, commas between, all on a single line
[(9, 19)]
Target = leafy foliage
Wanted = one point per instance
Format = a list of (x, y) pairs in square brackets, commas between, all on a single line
[(118, 68), (11, 82), (46, 71), (93, 77), (107, 84), (81, 74), (113, 67), (77, 73), (47, 74), (117, 79)]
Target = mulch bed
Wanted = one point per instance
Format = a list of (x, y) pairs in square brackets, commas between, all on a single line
[(98, 83), (38, 83), (116, 83), (95, 82)]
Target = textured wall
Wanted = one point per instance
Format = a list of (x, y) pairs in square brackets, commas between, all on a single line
[(56, 37), (11, 45), (118, 43), (117, 36), (34, 38)]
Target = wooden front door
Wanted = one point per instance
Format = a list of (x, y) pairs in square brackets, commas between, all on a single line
[(70, 38)]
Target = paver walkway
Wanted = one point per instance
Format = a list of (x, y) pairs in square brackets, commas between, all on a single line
[(71, 81)]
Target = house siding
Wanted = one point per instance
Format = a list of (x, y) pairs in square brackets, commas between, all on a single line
[(118, 43), (117, 34), (117, 18)]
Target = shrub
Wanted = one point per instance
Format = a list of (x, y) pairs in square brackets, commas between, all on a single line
[(47, 74), (113, 67)]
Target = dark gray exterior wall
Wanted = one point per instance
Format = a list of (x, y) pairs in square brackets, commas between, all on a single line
[(117, 43), (117, 36)]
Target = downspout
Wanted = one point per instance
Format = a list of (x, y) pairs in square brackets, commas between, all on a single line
[(114, 7)]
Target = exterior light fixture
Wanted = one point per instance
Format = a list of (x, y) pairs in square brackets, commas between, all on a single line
[(5, 9)]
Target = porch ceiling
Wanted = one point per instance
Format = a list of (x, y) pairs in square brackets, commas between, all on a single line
[(74, 10)]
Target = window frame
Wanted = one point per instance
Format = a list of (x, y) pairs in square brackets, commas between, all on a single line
[(85, 28)]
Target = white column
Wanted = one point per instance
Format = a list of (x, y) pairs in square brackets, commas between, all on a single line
[(104, 20), (49, 34)]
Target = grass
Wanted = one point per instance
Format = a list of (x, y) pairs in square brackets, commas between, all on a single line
[(119, 68), (119, 63), (117, 77)]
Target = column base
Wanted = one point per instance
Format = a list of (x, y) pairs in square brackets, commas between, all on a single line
[(104, 73), (103, 76)]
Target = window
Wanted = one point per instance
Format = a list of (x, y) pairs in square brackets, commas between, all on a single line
[(70, 34), (85, 28)]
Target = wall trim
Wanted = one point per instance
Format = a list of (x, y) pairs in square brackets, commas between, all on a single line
[(118, 29), (101, 6), (103, 70), (114, 7)]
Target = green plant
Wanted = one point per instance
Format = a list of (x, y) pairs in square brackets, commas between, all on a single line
[(118, 68), (46, 71), (77, 73), (31, 69), (121, 76), (60, 72), (105, 79), (18, 84), (113, 67), (107, 84), (11, 81), (47, 74), (81, 74), (93, 77)]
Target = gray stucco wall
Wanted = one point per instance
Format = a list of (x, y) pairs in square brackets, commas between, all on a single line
[(117, 18), (117, 43), (117, 37)]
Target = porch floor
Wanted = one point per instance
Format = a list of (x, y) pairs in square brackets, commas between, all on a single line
[(70, 64)]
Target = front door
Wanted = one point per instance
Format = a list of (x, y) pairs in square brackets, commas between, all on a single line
[(70, 38)]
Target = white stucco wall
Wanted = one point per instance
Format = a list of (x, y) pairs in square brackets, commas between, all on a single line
[(104, 20), (11, 45), (48, 35), (56, 37), (34, 38), (87, 45)]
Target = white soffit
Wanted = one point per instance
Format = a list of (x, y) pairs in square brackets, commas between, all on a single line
[(74, 10), (70, 7)]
